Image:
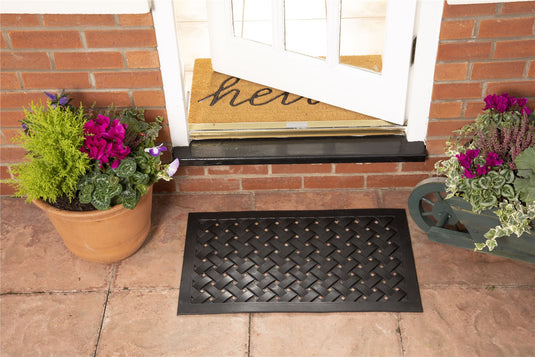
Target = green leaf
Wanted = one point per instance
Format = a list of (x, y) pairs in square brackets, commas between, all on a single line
[(479, 246), (139, 178), (115, 190), (84, 198), (484, 182), (126, 168), (142, 189), (488, 201), (113, 180), (508, 191), (491, 244), (101, 201), (526, 159), (498, 181), (130, 204), (101, 181)]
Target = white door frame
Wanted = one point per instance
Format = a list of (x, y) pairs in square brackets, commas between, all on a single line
[(427, 29)]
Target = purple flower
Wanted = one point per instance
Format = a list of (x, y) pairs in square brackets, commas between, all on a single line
[(50, 96), (156, 150), (173, 167), (63, 100)]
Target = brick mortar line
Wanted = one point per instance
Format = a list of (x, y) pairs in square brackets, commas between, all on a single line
[(82, 49), (522, 15), (493, 80), (364, 189), (78, 90), (315, 174), (486, 39), (6, 37), (84, 70), (41, 28), (484, 60), (475, 30)]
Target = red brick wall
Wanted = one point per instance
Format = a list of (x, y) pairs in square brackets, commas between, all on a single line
[(100, 59), (483, 49)]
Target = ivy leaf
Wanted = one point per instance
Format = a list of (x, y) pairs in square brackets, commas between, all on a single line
[(491, 244), (479, 246)]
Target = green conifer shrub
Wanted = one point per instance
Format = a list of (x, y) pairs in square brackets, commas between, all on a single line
[(53, 163)]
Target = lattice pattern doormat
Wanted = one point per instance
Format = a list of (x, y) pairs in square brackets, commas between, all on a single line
[(304, 261)]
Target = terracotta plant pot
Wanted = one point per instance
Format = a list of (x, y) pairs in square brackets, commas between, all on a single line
[(103, 236)]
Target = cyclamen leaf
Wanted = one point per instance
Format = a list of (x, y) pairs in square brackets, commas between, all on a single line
[(126, 168), (115, 190), (84, 198), (101, 201), (101, 181), (142, 189), (507, 191), (139, 178), (498, 181)]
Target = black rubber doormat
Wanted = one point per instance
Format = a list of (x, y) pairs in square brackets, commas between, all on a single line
[(298, 261)]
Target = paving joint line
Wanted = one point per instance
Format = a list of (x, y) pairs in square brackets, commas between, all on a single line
[(112, 276)]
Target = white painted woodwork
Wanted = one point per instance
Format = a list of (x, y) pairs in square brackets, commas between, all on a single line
[(381, 95)]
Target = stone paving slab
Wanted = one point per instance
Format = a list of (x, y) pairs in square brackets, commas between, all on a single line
[(52, 303)]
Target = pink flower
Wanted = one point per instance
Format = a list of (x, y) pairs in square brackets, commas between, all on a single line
[(493, 160), (469, 174), (504, 102), (104, 141), (482, 170)]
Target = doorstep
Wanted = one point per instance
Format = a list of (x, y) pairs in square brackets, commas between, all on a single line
[(300, 151)]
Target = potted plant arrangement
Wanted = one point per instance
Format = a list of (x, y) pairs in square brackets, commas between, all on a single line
[(490, 182), (92, 174)]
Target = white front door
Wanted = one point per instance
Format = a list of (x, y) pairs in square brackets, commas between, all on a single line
[(333, 74)]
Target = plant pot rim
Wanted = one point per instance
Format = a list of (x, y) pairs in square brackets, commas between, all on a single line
[(94, 214)]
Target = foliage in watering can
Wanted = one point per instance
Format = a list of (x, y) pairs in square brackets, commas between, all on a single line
[(491, 165), (99, 160)]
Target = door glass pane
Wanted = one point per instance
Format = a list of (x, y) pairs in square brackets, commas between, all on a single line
[(252, 20), (306, 27), (362, 33)]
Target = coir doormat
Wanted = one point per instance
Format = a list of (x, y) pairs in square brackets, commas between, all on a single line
[(219, 101), (300, 261)]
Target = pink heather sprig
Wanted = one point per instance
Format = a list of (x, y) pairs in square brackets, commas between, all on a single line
[(104, 141), (508, 142), (504, 102)]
